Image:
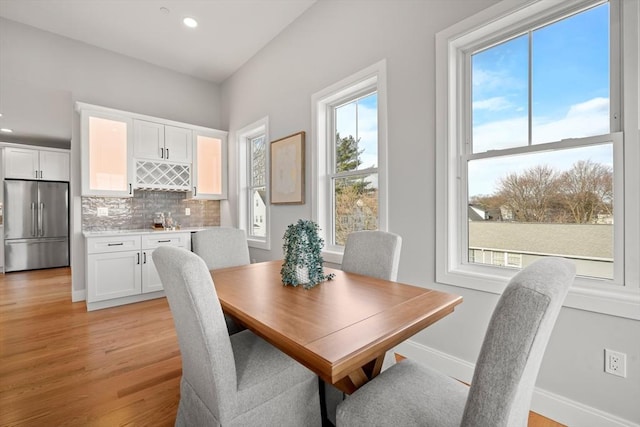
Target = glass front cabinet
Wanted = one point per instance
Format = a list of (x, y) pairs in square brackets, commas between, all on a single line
[(106, 152), (114, 162)]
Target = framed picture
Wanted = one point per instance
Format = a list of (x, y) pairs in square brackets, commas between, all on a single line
[(287, 170)]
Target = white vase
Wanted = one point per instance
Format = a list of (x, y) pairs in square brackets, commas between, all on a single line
[(302, 274)]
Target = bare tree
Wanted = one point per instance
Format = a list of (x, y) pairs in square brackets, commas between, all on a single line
[(587, 190), (530, 195)]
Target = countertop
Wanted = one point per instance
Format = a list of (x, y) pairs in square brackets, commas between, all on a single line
[(140, 231)]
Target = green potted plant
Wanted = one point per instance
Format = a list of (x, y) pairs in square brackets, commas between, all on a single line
[(302, 255)]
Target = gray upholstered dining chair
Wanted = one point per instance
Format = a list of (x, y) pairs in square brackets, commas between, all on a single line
[(222, 247), (372, 253), (237, 380), (375, 254), (409, 394)]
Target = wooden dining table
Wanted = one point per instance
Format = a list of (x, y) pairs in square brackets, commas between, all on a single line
[(341, 328)]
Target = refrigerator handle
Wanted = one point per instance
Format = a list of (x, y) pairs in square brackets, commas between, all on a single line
[(40, 221), (33, 219)]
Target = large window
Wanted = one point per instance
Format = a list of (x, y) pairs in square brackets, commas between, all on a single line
[(253, 195), (350, 158), (533, 164)]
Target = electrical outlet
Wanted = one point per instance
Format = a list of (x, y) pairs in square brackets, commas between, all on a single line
[(187, 211), (615, 363), (103, 211)]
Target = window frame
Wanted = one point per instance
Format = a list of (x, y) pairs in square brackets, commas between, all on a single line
[(323, 103), (620, 297), (245, 210)]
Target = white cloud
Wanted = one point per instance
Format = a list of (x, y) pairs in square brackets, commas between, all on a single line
[(492, 104), (584, 119)]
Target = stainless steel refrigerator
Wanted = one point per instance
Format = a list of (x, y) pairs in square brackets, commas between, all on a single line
[(36, 224)]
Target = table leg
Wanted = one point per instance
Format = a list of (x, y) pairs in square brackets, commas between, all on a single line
[(361, 376)]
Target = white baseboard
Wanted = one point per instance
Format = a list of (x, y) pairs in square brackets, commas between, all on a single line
[(543, 402), (78, 295)]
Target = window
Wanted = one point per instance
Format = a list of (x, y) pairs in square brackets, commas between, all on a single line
[(350, 189), (532, 166), (257, 190), (253, 197), (354, 169)]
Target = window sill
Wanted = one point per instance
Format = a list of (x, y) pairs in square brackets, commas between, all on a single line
[(334, 257), (259, 244), (615, 300)]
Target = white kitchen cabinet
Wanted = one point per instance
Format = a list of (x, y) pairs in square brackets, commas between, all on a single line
[(106, 150), (113, 267), (27, 163), (156, 141), (113, 275), (209, 178), (150, 242), (120, 268)]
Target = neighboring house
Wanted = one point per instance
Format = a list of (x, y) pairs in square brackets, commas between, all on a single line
[(516, 244), (259, 213), (477, 214)]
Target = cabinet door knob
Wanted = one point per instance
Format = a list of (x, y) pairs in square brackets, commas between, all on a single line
[(144, 257), (167, 153), (138, 256), (162, 153)]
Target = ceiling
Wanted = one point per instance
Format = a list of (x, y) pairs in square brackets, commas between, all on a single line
[(229, 33)]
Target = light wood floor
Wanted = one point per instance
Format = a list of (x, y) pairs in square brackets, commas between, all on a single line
[(60, 365)]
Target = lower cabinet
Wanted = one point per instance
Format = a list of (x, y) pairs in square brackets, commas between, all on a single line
[(120, 268)]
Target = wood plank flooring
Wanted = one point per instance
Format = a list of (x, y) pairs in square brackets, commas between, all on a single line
[(61, 365)]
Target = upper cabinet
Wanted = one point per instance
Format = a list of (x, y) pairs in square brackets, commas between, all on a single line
[(209, 165), (106, 153), (26, 163), (149, 153), (157, 141)]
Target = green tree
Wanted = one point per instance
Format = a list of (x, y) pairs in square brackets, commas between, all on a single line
[(348, 159), (347, 153), (356, 203)]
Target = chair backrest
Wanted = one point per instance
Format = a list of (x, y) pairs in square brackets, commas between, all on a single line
[(372, 253), (514, 344), (221, 247), (208, 364)]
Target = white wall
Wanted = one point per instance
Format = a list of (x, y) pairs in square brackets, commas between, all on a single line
[(49, 64), (335, 39)]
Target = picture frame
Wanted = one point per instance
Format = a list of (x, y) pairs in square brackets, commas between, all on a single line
[(287, 170)]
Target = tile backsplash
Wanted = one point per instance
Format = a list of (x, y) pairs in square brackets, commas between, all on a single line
[(138, 212)]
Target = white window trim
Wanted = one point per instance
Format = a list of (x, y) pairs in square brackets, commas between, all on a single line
[(374, 75), (244, 137), (586, 294)]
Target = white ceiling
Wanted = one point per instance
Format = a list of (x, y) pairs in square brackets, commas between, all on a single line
[(229, 31)]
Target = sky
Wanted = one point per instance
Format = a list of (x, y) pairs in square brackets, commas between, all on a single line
[(569, 91), (360, 119)]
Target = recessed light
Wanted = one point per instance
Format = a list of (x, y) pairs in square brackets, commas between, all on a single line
[(6, 130), (190, 22)]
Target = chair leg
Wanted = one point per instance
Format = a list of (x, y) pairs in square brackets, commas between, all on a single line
[(323, 404)]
